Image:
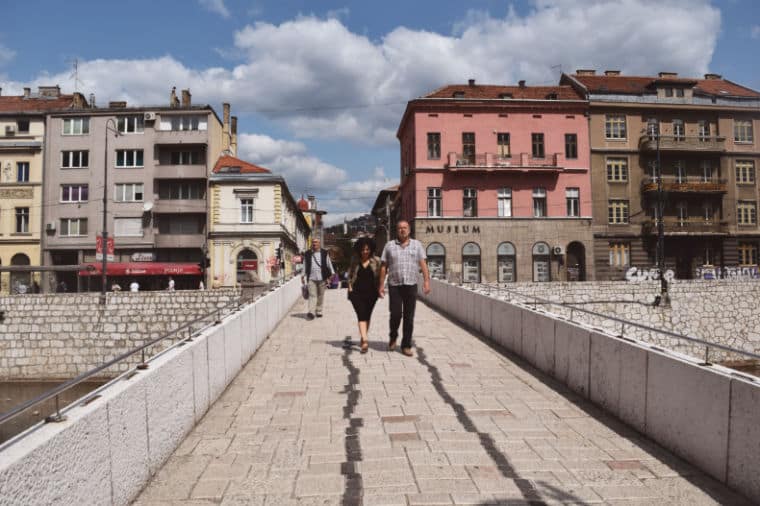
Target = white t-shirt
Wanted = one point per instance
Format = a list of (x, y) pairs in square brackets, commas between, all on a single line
[(134, 286), (171, 285)]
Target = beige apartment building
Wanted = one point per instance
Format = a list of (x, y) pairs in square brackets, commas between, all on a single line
[(22, 141), (153, 163), (704, 131)]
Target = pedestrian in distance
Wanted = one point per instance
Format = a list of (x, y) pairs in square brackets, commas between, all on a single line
[(171, 284), (363, 279), (318, 271), (134, 286), (402, 259)]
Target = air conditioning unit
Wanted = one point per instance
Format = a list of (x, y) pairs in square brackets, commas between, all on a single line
[(10, 130), (50, 227), (558, 251), (150, 116)]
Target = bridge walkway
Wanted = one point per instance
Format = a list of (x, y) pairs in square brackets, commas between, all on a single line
[(310, 421)]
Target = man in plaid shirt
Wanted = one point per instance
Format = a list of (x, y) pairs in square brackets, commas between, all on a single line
[(402, 260)]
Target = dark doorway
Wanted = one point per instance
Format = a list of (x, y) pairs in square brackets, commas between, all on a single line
[(576, 262)]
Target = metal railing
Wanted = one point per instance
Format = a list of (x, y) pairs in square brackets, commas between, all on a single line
[(624, 323)]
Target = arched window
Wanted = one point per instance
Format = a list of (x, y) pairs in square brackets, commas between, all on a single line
[(505, 263), (436, 260), (471, 263), (247, 263), (542, 267), (20, 281)]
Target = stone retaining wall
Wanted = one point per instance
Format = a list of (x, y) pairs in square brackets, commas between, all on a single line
[(56, 336)]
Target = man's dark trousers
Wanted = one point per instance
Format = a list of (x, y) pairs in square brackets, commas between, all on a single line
[(403, 300)]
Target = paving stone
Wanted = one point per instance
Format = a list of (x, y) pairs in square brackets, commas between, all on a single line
[(209, 489)]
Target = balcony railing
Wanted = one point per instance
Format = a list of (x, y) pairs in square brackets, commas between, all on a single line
[(682, 143), (691, 184), (675, 226), (552, 161)]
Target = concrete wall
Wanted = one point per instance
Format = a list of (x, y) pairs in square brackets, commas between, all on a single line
[(106, 451), (59, 336), (707, 415)]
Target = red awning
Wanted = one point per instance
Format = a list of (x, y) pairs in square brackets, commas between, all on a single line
[(141, 269)]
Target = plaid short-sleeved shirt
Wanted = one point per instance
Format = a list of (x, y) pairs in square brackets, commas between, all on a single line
[(403, 262)]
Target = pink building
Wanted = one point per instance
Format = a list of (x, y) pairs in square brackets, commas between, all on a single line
[(495, 181)]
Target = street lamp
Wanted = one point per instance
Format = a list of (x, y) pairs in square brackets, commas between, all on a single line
[(660, 252), (104, 237)]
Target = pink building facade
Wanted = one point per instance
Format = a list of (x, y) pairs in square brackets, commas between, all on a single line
[(495, 181)]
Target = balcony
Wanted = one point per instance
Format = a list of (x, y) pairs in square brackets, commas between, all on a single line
[(682, 143), (180, 240), (165, 206), (181, 137), (166, 171), (687, 226), (519, 162), (676, 184)]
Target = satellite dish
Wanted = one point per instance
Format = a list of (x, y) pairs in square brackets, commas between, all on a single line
[(147, 207)]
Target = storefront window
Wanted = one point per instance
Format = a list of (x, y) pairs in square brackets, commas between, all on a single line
[(505, 259), (541, 262), (436, 260), (471, 263)]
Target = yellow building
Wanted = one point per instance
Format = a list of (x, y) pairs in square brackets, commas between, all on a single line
[(22, 137)]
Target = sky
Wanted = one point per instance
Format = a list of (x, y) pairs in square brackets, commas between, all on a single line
[(320, 86)]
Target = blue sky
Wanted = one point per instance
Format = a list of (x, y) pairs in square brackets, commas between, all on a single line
[(320, 86)]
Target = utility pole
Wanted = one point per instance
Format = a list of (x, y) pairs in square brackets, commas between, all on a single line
[(665, 298), (104, 243)]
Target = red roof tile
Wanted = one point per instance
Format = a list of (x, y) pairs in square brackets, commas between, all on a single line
[(227, 162), (34, 104), (488, 91), (639, 85)]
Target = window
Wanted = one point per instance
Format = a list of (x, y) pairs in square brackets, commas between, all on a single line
[(542, 271), (76, 126), (131, 124), (747, 253), (185, 158), (680, 92), (617, 170), (745, 171), (708, 255), (434, 145), (707, 211), (682, 210), (74, 193), (434, 202), (505, 263), (617, 212), (246, 210), (468, 147), (127, 227), (653, 128), (22, 220), (539, 202), (746, 212), (707, 171), (129, 158), (572, 196), (620, 254), (75, 159), (679, 131), (181, 190), (680, 171), (470, 202), (181, 224), (129, 192), (73, 227), (668, 92), (22, 126), (614, 127), (22, 172), (181, 123), (471, 263), (571, 145), (502, 145), (504, 202), (703, 130), (743, 130), (537, 142), (436, 260)]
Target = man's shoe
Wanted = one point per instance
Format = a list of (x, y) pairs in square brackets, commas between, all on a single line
[(407, 352), (309, 316), (392, 345), (319, 315)]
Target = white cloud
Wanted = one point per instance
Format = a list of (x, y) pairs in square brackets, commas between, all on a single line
[(216, 6), (6, 55), (755, 32)]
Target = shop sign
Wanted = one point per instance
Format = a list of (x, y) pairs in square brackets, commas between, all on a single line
[(249, 265), (99, 248), (143, 256)]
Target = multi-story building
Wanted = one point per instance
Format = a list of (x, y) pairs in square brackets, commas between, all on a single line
[(22, 140), (157, 161), (495, 181), (704, 132), (256, 225)]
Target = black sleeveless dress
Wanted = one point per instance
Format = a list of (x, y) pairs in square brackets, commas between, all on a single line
[(364, 293)]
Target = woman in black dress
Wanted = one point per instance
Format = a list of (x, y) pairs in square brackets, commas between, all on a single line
[(363, 276)]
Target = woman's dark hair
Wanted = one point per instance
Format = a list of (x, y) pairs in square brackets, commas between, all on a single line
[(364, 241)]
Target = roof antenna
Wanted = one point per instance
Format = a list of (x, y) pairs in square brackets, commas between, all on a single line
[(75, 74), (558, 66)]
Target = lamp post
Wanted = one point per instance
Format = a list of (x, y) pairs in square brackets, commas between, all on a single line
[(665, 298), (104, 236)]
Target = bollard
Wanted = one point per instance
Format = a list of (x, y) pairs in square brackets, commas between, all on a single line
[(142, 365)]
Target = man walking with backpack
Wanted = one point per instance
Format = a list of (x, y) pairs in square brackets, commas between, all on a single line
[(318, 269)]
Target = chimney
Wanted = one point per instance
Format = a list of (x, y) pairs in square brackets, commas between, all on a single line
[(585, 72), (117, 104), (27, 92), (49, 91), (233, 142), (78, 101), (713, 76), (664, 75), (173, 100), (186, 99), (471, 82), (521, 83), (225, 126), (611, 72), (92, 100)]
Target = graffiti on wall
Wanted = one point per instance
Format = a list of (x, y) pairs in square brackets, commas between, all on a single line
[(732, 273), (637, 274)]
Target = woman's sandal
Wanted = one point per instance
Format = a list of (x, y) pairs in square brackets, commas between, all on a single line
[(365, 346)]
